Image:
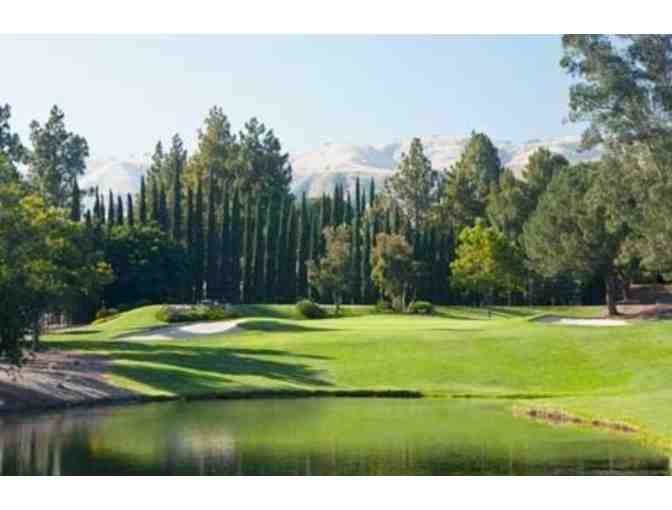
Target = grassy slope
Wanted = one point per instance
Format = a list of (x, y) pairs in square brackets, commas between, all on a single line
[(611, 373)]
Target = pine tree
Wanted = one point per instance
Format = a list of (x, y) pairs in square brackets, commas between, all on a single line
[(75, 204), (130, 219), (365, 269), (120, 211), (236, 243), (199, 245), (143, 201), (211, 273)]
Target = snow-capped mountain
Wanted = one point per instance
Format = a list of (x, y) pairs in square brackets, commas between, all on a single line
[(319, 170)]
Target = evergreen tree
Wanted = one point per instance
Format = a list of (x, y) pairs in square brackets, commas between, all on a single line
[(291, 251), (269, 251), (120, 211), (258, 254), (155, 200), (88, 219), (189, 291), (356, 287), (177, 157), (280, 265), (130, 219), (225, 249), (303, 235), (75, 204), (365, 268), (236, 239), (211, 274), (248, 251), (163, 208), (143, 202), (111, 218), (199, 245)]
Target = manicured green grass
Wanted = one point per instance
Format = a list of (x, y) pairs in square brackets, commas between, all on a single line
[(613, 373)]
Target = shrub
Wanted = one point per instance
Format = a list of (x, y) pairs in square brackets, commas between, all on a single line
[(106, 313), (310, 310), (383, 306), (421, 308), (194, 313)]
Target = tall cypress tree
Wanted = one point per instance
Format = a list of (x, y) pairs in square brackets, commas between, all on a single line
[(75, 204), (211, 273), (130, 219), (177, 200), (120, 211), (199, 245), (88, 219), (143, 202), (111, 218), (236, 244), (280, 265), (258, 255), (155, 200), (163, 208), (189, 291), (225, 249), (291, 250), (248, 251), (96, 208), (269, 242), (302, 250), (365, 269), (356, 287)]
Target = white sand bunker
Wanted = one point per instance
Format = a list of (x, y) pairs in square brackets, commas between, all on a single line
[(191, 330), (568, 321)]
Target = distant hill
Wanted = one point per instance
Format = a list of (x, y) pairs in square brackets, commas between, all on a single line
[(319, 170)]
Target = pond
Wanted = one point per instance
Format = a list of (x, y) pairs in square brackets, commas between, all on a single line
[(338, 436)]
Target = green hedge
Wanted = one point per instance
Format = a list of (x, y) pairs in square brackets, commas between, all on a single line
[(196, 313)]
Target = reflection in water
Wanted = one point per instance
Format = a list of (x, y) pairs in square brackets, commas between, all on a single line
[(312, 436)]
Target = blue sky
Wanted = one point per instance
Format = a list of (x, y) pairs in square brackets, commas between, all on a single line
[(124, 92)]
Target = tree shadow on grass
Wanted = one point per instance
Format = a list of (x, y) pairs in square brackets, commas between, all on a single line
[(192, 369), (269, 325)]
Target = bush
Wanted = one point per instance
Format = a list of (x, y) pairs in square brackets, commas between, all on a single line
[(106, 313), (310, 310), (194, 313), (421, 308), (383, 306)]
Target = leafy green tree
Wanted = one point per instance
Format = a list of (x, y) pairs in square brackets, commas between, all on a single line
[(413, 185), (148, 265), (394, 270), (43, 265), (459, 204), (480, 162), (333, 274), (580, 238), (12, 150), (541, 167), (56, 160), (486, 262)]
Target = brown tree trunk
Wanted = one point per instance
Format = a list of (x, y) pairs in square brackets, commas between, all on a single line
[(611, 294)]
